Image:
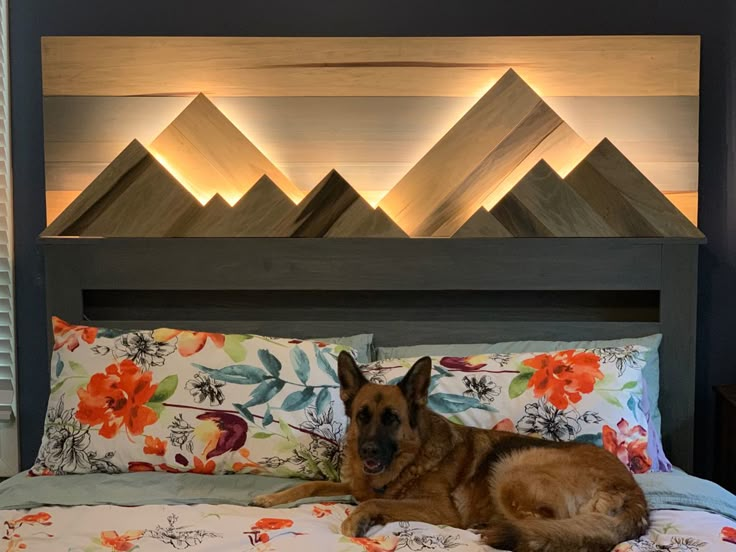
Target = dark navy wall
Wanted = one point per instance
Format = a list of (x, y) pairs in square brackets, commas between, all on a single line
[(31, 19)]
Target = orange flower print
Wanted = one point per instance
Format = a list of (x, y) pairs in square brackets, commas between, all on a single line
[(319, 512), (563, 377), (14, 539), (118, 397), (505, 425), (67, 334), (272, 524), (239, 466), (379, 544), (155, 446), (189, 343), (203, 468), (41, 517), (629, 445), (728, 534), (119, 543)]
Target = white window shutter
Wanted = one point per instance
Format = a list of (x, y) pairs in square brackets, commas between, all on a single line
[(8, 426)]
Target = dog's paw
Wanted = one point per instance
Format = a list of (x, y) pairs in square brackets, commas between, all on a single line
[(357, 524), (264, 501)]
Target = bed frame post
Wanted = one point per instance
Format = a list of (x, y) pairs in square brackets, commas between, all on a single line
[(678, 307)]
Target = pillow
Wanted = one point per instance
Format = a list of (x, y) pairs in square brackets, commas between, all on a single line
[(182, 401), (647, 361), (591, 396)]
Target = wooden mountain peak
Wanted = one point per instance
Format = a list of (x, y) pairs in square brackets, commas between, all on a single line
[(508, 127), (334, 209), (482, 225), (543, 205), (133, 197), (257, 214), (212, 156), (625, 198)]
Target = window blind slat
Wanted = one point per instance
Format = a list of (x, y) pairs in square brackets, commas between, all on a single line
[(8, 426)]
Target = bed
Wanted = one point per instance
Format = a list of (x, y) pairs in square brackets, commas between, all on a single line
[(590, 253), (421, 292)]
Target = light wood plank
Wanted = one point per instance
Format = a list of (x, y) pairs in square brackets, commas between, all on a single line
[(371, 141), (623, 196), (56, 202), (449, 184), (544, 205), (374, 66), (687, 203), (207, 152), (482, 225)]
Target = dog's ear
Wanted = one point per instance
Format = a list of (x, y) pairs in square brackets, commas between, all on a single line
[(415, 384), (351, 379)]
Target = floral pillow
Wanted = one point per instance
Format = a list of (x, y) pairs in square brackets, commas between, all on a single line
[(183, 401), (591, 396)]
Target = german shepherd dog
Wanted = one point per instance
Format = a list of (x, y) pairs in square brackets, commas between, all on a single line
[(404, 462)]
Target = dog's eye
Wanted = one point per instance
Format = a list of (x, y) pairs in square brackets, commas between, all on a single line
[(389, 417), (363, 416)]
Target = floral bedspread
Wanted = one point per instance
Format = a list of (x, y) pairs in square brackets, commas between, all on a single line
[(226, 527)]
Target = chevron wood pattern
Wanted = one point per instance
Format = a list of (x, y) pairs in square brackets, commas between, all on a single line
[(134, 197), (210, 155), (624, 198), (507, 126), (543, 205)]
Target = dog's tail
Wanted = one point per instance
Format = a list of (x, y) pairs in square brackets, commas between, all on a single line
[(592, 532)]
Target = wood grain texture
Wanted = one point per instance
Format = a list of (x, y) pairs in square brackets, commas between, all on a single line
[(678, 315), (257, 214), (334, 209), (543, 204), (134, 154), (210, 155), (482, 225), (372, 141), (626, 200), (134, 196), (374, 66), (450, 183)]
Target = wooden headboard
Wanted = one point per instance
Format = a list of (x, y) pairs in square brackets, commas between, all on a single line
[(404, 291)]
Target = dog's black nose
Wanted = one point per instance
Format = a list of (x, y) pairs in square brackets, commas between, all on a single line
[(369, 450)]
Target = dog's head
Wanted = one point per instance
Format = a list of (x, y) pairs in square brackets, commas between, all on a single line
[(384, 418)]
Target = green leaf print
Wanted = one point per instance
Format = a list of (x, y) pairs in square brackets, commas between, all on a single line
[(447, 403), (270, 362), (298, 399), (519, 384), (323, 401), (77, 368), (267, 417), (234, 347), (245, 412), (264, 392), (324, 364), (237, 373), (301, 364), (165, 389)]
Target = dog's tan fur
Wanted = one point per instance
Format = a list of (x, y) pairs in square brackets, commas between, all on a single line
[(519, 493)]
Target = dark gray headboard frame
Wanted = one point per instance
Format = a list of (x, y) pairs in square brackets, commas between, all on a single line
[(404, 291)]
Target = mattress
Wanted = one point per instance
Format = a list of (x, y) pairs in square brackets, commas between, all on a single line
[(151, 512)]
